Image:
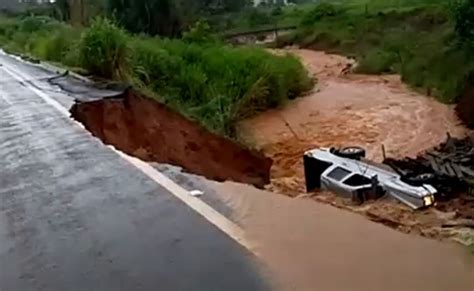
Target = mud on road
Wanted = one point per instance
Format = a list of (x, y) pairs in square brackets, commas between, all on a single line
[(352, 109)]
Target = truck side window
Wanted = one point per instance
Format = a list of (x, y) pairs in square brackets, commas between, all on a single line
[(338, 174), (358, 180)]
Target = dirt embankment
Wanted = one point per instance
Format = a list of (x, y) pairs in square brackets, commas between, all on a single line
[(146, 129)]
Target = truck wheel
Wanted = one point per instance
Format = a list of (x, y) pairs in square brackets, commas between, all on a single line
[(352, 153)]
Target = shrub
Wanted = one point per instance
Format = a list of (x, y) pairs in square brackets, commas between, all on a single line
[(464, 21), (319, 12), (256, 17), (56, 45), (103, 49), (377, 62), (199, 32), (37, 23), (8, 27)]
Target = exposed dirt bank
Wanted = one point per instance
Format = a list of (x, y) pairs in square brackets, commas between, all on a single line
[(149, 130), (353, 110)]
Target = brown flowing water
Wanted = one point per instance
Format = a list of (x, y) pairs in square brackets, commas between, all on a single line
[(312, 246), (307, 245), (352, 109)]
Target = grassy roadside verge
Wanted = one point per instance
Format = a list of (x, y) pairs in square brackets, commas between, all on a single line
[(416, 41), (213, 83)]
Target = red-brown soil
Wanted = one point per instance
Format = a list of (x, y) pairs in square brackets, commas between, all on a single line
[(147, 129)]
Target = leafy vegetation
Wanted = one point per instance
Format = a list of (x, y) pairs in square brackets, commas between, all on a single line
[(103, 50), (464, 21), (154, 17), (207, 80), (216, 84)]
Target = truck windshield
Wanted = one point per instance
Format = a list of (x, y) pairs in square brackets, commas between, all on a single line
[(358, 180), (338, 174)]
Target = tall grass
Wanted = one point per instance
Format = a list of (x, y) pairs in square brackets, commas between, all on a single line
[(208, 81), (217, 84), (103, 49), (41, 37)]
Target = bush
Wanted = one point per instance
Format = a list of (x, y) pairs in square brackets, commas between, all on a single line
[(256, 17), (103, 49), (321, 11), (56, 45), (200, 32), (35, 23), (377, 62), (464, 21), (8, 27)]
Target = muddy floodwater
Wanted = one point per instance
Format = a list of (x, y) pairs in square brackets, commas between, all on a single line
[(310, 246), (352, 109), (348, 110)]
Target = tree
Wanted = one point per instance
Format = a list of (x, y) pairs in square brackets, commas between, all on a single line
[(62, 10), (464, 21), (78, 12), (151, 16), (167, 17)]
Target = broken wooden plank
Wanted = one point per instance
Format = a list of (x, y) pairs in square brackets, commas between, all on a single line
[(434, 163), (434, 153), (457, 171), (449, 170), (469, 172)]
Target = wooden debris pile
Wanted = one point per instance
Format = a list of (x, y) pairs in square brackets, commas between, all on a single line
[(448, 167)]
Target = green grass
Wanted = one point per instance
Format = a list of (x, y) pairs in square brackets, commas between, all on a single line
[(211, 82), (413, 38), (103, 50), (217, 84)]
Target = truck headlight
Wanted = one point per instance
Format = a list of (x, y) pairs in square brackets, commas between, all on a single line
[(428, 200)]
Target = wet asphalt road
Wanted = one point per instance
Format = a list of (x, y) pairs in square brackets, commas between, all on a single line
[(75, 216)]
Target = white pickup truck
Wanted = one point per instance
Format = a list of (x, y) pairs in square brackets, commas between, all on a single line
[(346, 173)]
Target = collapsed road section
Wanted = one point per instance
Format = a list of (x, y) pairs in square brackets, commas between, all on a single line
[(149, 130), (75, 216)]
